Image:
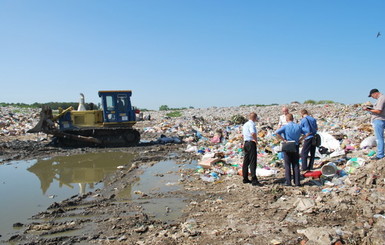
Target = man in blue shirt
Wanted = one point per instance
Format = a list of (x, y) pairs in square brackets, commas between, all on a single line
[(249, 132), (291, 132), (309, 126)]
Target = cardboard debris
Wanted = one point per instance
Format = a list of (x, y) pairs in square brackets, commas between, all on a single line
[(208, 162)]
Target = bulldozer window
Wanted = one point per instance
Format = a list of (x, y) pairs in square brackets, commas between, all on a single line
[(110, 103), (122, 102)]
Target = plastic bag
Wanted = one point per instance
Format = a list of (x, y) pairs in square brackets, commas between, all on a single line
[(288, 146), (316, 140)]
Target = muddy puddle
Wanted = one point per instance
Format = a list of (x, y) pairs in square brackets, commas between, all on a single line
[(29, 187), (158, 190)]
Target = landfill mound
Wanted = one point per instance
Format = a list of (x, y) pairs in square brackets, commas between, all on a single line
[(341, 202)]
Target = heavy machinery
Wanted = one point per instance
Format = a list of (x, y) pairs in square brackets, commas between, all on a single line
[(109, 127)]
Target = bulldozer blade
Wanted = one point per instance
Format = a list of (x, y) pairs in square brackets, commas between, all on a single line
[(45, 122)]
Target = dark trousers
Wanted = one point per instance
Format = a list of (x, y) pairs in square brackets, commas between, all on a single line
[(306, 148), (292, 163), (250, 159)]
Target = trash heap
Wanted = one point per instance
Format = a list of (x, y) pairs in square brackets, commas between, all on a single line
[(15, 121), (215, 135)]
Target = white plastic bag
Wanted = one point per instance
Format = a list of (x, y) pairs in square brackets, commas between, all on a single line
[(368, 142)]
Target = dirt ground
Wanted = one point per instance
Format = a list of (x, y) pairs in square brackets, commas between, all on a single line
[(222, 212)]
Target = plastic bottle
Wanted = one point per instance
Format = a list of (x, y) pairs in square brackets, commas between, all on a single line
[(372, 153), (207, 178), (215, 175)]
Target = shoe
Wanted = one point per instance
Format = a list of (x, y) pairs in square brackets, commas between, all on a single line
[(286, 184), (375, 158), (299, 185), (256, 183), (246, 181)]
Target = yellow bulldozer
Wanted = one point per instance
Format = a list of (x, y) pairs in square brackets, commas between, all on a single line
[(110, 126)]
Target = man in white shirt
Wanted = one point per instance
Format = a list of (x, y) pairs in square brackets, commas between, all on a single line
[(282, 118), (250, 149)]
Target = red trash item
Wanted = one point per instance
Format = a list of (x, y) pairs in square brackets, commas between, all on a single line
[(240, 172), (314, 174)]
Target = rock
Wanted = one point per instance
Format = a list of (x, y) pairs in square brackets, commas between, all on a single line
[(17, 225), (276, 242), (190, 227), (141, 229), (377, 234), (367, 211), (369, 180), (122, 238), (304, 205), (319, 235)]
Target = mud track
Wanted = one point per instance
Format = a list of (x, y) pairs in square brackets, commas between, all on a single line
[(222, 212)]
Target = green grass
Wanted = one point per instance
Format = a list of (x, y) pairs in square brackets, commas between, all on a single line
[(320, 102), (174, 114)]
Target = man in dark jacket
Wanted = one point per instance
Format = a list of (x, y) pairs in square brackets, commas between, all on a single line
[(309, 126)]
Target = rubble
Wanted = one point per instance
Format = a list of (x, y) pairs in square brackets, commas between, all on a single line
[(342, 202), (15, 121), (344, 129), (347, 144)]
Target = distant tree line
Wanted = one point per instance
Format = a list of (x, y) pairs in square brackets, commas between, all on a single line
[(22, 105), (257, 105), (166, 108), (56, 105), (312, 102), (143, 109), (53, 105), (320, 102), (64, 105)]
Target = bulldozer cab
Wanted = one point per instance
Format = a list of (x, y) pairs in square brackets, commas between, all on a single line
[(117, 106)]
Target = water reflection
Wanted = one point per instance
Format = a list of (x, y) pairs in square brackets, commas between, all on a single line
[(82, 170)]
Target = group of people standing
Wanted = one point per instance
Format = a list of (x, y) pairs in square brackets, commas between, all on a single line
[(298, 132), (288, 131), (302, 132)]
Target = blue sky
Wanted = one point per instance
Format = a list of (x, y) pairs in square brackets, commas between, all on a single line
[(198, 53)]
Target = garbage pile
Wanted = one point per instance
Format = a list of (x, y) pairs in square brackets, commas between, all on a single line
[(215, 135), (15, 121), (345, 130)]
